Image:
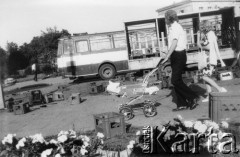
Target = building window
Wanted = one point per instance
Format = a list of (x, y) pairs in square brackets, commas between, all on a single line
[(181, 11), (209, 8), (200, 8)]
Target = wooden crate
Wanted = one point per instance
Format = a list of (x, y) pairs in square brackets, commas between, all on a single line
[(110, 124), (75, 99), (58, 96), (21, 108), (224, 105), (96, 88)]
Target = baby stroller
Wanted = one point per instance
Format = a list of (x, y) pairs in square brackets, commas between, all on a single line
[(138, 99)]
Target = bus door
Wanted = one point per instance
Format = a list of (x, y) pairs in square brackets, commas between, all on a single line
[(65, 61), (143, 44)]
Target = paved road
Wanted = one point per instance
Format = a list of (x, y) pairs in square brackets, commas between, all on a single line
[(62, 115)]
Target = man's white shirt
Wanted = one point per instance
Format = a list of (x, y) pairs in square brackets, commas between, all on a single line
[(176, 32)]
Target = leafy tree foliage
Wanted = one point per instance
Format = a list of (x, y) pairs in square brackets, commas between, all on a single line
[(3, 63), (16, 59), (41, 50)]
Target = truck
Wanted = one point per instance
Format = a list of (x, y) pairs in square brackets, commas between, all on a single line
[(142, 44)]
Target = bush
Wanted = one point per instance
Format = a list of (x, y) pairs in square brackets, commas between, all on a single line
[(28, 70), (47, 69)]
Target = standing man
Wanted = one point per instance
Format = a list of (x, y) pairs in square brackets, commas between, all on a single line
[(186, 98), (34, 69)]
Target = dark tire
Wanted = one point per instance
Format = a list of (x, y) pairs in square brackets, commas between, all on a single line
[(107, 71), (127, 112), (149, 109), (168, 70)]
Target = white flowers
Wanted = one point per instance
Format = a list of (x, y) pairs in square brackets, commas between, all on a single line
[(138, 133), (188, 124), (57, 155), (100, 135), (200, 127), (8, 139), (21, 143), (64, 135), (131, 144), (62, 138), (211, 124), (224, 124), (37, 138), (84, 138), (53, 141), (179, 117), (83, 151), (46, 152)]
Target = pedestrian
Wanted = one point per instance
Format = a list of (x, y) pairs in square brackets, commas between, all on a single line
[(207, 42), (186, 98), (34, 69)]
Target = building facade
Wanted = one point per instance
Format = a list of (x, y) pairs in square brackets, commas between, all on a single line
[(188, 6)]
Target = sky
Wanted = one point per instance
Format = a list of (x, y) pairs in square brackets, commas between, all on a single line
[(21, 20)]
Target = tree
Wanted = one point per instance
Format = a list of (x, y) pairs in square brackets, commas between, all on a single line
[(50, 43), (16, 59), (42, 49), (3, 63)]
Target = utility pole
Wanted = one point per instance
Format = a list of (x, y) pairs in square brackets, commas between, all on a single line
[(2, 105), (1, 97)]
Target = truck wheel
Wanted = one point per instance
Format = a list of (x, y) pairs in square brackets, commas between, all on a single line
[(107, 71)]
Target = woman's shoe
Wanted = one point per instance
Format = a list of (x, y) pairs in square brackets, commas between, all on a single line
[(179, 108)]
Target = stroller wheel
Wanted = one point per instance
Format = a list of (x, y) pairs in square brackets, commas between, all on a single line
[(149, 110), (127, 112)]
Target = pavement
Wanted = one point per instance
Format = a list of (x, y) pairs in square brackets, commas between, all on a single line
[(61, 115)]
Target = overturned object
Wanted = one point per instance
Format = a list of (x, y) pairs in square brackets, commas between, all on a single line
[(114, 87), (58, 96), (75, 98)]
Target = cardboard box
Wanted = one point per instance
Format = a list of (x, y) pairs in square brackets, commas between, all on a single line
[(225, 75)]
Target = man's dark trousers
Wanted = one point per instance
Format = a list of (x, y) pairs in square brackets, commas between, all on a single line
[(183, 92)]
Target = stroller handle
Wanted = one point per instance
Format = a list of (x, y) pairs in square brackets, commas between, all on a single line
[(145, 80)]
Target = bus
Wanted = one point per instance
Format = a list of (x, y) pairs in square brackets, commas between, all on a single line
[(142, 44)]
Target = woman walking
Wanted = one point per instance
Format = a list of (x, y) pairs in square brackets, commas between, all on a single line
[(207, 42)]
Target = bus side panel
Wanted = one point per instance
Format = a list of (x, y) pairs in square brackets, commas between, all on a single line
[(119, 65), (88, 64), (146, 63)]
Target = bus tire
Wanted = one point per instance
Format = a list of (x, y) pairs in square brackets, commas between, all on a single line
[(107, 71)]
